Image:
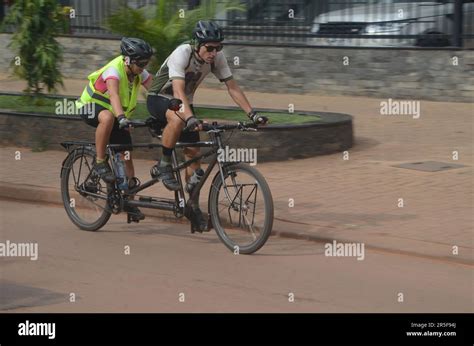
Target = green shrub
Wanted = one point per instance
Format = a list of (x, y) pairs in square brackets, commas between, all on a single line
[(37, 22), (164, 29)]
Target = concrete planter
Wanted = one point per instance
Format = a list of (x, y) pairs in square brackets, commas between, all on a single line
[(273, 142)]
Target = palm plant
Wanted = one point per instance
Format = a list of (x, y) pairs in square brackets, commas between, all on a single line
[(166, 28)]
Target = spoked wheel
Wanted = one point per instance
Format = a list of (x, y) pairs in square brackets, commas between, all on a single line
[(84, 194), (241, 208)]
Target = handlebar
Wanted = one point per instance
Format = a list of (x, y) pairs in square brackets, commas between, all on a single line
[(136, 123), (242, 126)]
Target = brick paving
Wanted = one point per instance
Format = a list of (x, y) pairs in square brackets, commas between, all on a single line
[(350, 200)]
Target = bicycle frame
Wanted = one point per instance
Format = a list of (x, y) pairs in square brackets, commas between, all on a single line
[(179, 204), (233, 191)]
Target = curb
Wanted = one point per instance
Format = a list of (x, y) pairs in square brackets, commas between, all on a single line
[(39, 194), (47, 195)]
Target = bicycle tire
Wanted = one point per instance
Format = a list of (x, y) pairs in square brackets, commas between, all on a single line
[(214, 212), (66, 197)]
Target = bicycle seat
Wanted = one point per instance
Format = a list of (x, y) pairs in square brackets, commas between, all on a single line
[(174, 104)]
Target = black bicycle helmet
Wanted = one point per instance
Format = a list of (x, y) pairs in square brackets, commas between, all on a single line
[(135, 48), (206, 31)]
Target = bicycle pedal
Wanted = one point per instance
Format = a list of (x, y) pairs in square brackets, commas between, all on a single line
[(131, 219), (195, 229)]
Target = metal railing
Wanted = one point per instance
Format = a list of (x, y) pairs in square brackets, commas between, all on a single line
[(315, 22), (394, 23), (91, 15)]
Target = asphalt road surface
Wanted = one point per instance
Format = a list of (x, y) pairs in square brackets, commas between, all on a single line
[(169, 269)]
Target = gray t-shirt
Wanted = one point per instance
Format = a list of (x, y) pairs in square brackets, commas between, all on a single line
[(182, 64)]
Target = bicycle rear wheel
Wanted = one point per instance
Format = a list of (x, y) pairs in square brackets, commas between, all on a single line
[(84, 194), (241, 208)]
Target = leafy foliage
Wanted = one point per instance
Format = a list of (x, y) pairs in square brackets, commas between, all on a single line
[(163, 25), (38, 53)]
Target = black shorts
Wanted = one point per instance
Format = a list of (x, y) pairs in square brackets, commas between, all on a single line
[(117, 136), (157, 106)]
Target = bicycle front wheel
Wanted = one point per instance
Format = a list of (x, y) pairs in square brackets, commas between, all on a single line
[(241, 208), (84, 194)]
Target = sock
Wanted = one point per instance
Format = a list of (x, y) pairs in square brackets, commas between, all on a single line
[(100, 160), (165, 161), (166, 158)]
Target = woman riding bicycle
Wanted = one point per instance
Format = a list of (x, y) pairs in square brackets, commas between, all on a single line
[(113, 91)]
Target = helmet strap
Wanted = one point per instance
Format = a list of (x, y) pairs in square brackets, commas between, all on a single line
[(128, 62), (197, 47)]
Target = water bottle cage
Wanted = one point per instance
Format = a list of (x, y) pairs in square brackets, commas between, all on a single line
[(122, 183), (133, 183)]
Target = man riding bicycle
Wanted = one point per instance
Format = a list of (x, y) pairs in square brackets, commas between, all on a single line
[(179, 77), (113, 90)]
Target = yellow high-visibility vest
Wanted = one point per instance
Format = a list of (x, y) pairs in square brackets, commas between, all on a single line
[(128, 98)]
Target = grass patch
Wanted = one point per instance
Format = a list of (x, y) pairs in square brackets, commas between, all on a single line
[(239, 115), (28, 104), (46, 105)]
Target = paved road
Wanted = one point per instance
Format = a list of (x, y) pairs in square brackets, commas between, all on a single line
[(352, 201), (166, 260)]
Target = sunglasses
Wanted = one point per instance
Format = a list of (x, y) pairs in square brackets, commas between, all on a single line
[(214, 48), (142, 63)]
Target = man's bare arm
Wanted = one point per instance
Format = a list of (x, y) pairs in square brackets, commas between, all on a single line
[(238, 95)]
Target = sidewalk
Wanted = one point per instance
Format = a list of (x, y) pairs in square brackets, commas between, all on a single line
[(353, 200)]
